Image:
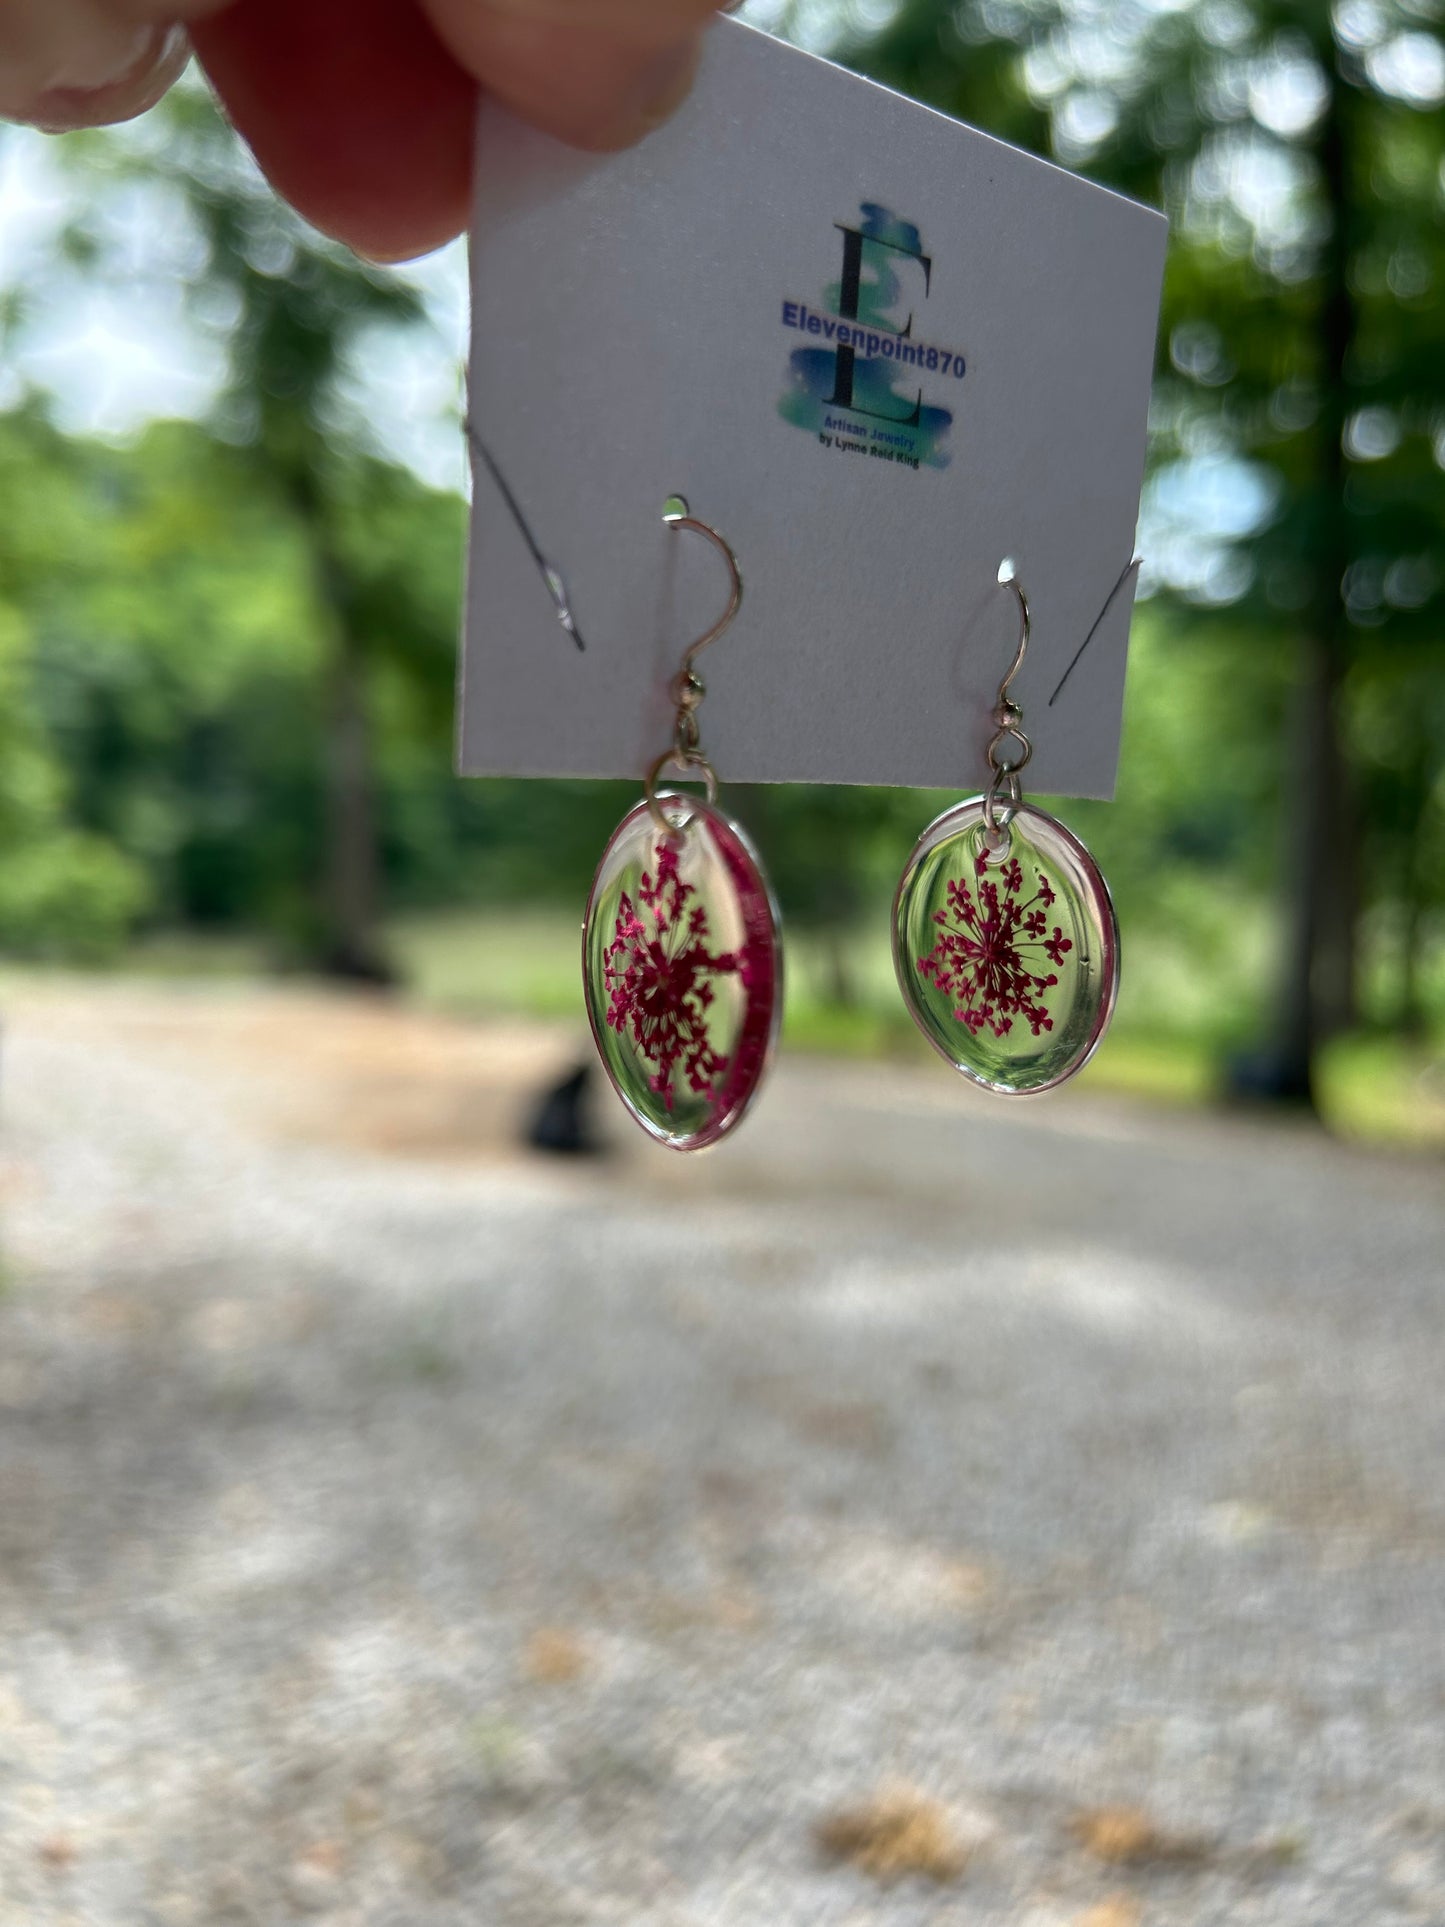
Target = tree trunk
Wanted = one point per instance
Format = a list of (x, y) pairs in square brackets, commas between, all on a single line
[(1413, 1024), (1317, 992), (349, 943), (842, 992), (1411, 1018)]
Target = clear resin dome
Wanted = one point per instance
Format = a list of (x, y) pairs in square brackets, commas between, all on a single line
[(1007, 957), (682, 970)]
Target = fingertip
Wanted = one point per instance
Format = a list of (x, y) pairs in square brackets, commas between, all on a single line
[(647, 102), (356, 114), (392, 243), (599, 78)]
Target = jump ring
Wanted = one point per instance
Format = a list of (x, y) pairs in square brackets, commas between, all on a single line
[(681, 760), (1002, 800), (1026, 749)]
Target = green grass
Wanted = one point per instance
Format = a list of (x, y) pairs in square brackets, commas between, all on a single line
[(1383, 1089), (1180, 1013), (525, 963), (186, 953), (1191, 995)]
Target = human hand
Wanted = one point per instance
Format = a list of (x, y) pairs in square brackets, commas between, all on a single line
[(360, 111)]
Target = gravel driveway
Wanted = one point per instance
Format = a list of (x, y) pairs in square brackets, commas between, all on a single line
[(920, 1511)]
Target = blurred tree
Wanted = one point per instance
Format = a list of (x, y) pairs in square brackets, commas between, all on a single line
[(830, 851), (193, 615), (174, 663), (64, 890), (292, 312), (1301, 393)]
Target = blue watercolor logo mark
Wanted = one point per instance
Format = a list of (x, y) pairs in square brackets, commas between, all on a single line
[(859, 386)]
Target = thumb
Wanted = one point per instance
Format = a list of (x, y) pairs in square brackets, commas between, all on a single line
[(596, 73), (84, 63)]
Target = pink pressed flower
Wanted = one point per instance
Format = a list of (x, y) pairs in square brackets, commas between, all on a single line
[(658, 981), (984, 957)]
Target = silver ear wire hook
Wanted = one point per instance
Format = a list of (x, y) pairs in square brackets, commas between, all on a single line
[(1005, 792), (1008, 578), (687, 688), (676, 516)]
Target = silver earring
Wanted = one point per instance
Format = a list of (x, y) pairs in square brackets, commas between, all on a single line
[(681, 955), (1005, 939)]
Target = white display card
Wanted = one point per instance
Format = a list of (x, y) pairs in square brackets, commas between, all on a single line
[(879, 352)]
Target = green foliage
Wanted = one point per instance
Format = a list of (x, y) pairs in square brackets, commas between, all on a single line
[(177, 615), (1295, 514), (64, 893), (165, 654), (67, 897)]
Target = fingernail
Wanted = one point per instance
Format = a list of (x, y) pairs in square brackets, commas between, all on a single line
[(123, 81), (110, 64)]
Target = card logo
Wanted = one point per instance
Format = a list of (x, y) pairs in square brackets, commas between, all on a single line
[(860, 388)]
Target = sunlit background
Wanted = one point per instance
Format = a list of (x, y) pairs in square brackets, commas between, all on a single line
[(201, 395), (914, 1511)]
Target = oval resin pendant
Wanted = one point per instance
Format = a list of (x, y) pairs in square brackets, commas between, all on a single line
[(682, 970), (1008, 962)]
